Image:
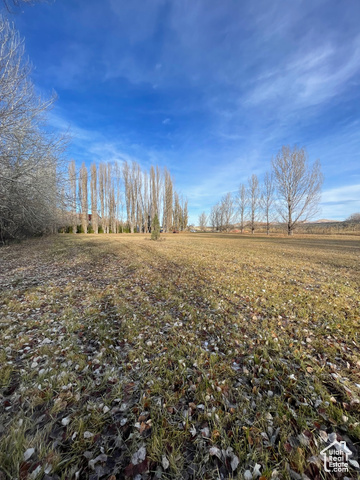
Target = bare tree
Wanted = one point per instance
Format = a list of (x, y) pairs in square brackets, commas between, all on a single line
[(10, 4), (104, 196), (131, 192), (137, 199), (155, 189), (168, 201), (105, 189), (29, 155), (354, 218), (298, 185), (117, 197), (138, 188), (227, 211), (94, 200), (254, 200), (83, 194), (242, 201), (184, 214), (213, 218), (79, 199), (146, 203), (203, 221), (180, 212), (267, 199), (111, 197), (108, 197), (127, 186), (142, 201), (216, 218), (176, 212), (147, 194), (73, 195)]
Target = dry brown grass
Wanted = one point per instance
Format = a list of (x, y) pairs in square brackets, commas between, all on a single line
[(201, 356)]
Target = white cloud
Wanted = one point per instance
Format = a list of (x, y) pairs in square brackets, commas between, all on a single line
[(348, 193), (249, 70), (340, 202), (60, 123), (309, 78)]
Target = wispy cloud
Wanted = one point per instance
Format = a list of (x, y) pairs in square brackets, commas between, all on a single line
[(348, 193), (309, 79), (338, 203), (211, 89)]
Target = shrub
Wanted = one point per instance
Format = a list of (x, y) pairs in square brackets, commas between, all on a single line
[(354, 218), (155, 229)]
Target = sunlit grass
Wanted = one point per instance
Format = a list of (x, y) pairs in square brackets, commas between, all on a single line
[(219, 353)]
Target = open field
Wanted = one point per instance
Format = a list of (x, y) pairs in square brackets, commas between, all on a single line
[(201, 356)]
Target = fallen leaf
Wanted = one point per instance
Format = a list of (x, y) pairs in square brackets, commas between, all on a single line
[(29, 453), (139, 456), (165, 462), (234, 462), (214, 451)]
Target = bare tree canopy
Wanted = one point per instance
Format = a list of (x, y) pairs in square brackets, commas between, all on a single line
[(94, 199), (228, 211), (203, 221), (29, 156), (254, 200), (267, 199), (110, 188), (14, 4), (83, 197), (354, 218), (72, 195), (298, 185), (242, 201), (168, 201), (223, 214)]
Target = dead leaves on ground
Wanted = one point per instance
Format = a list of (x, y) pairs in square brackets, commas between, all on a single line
[(195, 359)]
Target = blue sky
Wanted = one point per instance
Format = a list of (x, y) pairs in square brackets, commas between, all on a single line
[(212, 89)]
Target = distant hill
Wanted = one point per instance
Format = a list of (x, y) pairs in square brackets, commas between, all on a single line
[(324, 220)]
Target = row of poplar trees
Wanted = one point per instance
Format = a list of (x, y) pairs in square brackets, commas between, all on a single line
[(110, 198)]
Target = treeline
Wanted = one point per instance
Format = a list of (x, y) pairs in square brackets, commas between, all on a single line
[(29, 154), (289, 194), (251, 204), (122, 198)]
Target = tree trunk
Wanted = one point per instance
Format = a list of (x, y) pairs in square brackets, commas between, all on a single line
[(289, 220)]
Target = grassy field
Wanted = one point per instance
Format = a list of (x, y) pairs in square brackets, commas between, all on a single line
[(199, 356)]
